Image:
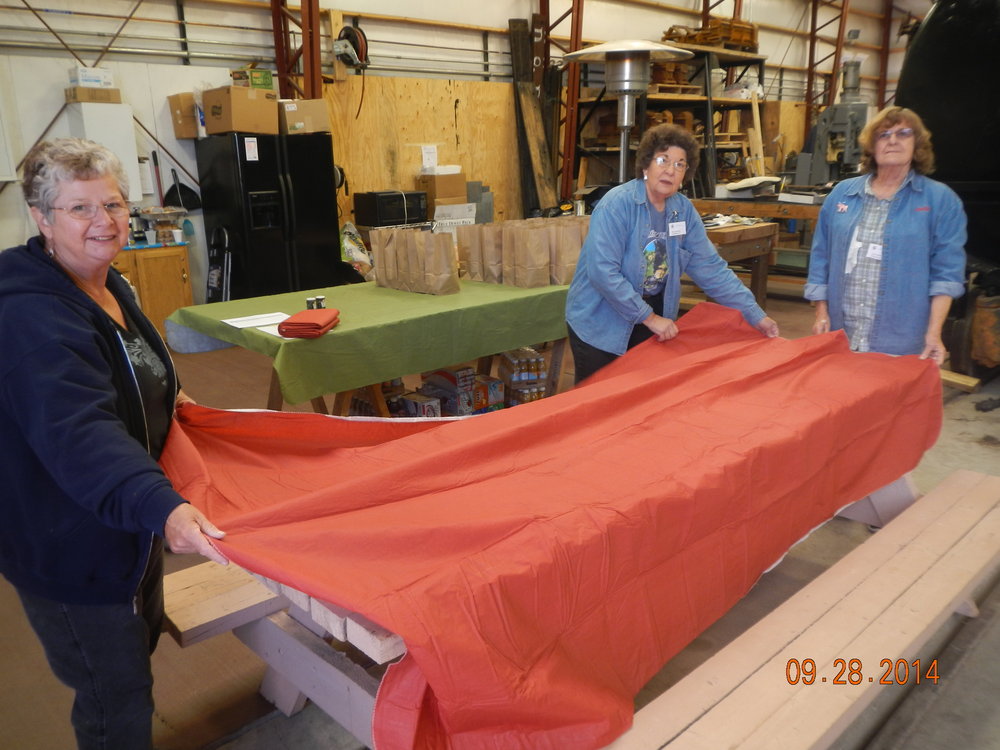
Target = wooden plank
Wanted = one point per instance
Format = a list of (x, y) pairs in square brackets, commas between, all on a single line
[(374, 641), (965, 383), (754, 133), (534, 131), (208, 599), (757, 208), (519, 33), (341, 688), (816, 718), (946, 535), (334, 22), (742, 232)]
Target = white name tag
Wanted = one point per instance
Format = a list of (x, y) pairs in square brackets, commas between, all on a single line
[(677, 228), (874, 251)]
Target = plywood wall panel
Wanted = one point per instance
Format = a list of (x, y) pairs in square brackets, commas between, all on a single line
[(472, 123)]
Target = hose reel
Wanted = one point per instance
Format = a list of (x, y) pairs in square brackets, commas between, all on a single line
[(351, 47)]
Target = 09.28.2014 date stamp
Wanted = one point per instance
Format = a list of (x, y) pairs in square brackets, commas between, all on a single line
[(852, 672)]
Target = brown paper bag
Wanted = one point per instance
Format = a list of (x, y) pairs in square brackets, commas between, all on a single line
[(491, 244), (413, 280), (468, 240), (509, 235), (564, 248), (531, 255), (384, 256), (441, 264)]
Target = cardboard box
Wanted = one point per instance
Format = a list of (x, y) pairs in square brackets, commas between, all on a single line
[(184, 114), (419, 405), (304, 116), (96, 78), (440, 186), (253, 78), (88, 94), (237, 109)]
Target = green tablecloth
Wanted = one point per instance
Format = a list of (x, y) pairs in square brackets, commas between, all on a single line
[(385, 333)]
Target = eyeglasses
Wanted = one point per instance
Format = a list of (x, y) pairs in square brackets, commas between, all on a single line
[(663, 161), (87, 211), (898, 132)]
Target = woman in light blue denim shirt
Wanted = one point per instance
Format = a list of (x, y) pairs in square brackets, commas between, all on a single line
[(888, 254), (643, 235)]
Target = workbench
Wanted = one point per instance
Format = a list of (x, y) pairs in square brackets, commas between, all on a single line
[(751, 244), (386, 333), (757, 208)]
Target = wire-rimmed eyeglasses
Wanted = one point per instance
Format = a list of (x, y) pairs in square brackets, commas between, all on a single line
[(87, 211)]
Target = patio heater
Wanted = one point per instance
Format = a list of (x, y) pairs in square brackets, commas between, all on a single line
[(626, 73)]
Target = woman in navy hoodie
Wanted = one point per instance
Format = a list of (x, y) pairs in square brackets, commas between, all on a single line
[(87, 393)]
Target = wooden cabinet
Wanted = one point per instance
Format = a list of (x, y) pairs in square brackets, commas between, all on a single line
[(161, 278)]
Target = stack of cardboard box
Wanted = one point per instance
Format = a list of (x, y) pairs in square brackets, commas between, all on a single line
[(92, 85), (442, 190)]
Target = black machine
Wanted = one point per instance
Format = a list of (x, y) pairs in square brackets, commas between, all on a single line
[(270, 214), (948, 80)]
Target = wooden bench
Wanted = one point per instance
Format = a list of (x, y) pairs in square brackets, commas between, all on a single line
[(208, 599), (787, 681), (288, 630)]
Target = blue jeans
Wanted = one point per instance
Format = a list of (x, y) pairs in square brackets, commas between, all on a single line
[(102, 653)]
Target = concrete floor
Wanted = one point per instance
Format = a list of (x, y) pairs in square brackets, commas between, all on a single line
[(206, 693)]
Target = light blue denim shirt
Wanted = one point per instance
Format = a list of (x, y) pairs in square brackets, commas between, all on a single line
[(923, 255), (605, 301)]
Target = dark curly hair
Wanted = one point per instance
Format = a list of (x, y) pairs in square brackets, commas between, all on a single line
[(923, 152), (661, 137)]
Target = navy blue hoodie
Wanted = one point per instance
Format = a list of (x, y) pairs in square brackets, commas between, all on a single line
[(80, 495)]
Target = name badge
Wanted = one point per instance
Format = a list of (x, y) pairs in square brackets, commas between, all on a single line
[(874, 251), (677, 228)]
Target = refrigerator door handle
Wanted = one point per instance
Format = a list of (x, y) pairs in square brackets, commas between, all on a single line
[(289, 225), (288, 201)]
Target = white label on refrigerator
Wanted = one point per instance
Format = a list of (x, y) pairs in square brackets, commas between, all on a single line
[(250, 145)]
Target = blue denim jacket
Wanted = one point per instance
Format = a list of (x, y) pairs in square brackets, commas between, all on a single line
[(923, 255), (605, 298)]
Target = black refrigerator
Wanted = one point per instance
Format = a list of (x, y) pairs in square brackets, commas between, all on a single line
[(270, 212)]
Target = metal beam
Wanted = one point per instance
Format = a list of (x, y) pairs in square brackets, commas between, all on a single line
[(287, 59), (571, 117), (883, 61)]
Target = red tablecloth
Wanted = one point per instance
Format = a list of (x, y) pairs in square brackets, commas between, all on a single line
[(541, 563)]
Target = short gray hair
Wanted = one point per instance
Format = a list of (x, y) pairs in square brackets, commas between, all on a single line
[(51, 163)]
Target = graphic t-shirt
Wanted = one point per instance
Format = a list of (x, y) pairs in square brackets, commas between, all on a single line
[(151, 375), (655, 252)]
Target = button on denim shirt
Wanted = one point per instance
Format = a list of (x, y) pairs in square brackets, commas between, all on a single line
[(605, 298), (923, 255)]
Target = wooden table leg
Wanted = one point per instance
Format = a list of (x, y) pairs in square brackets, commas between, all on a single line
[(378, 400), (274, 398), (758, 279), (319, 405), (342, 403)]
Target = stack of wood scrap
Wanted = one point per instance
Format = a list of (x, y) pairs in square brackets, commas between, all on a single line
[(730, 33)]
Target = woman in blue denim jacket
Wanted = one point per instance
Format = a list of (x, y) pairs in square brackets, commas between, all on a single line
[(643, 235), (888, 252)]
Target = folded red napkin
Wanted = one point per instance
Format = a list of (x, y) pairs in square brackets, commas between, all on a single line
[(309, 324)]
